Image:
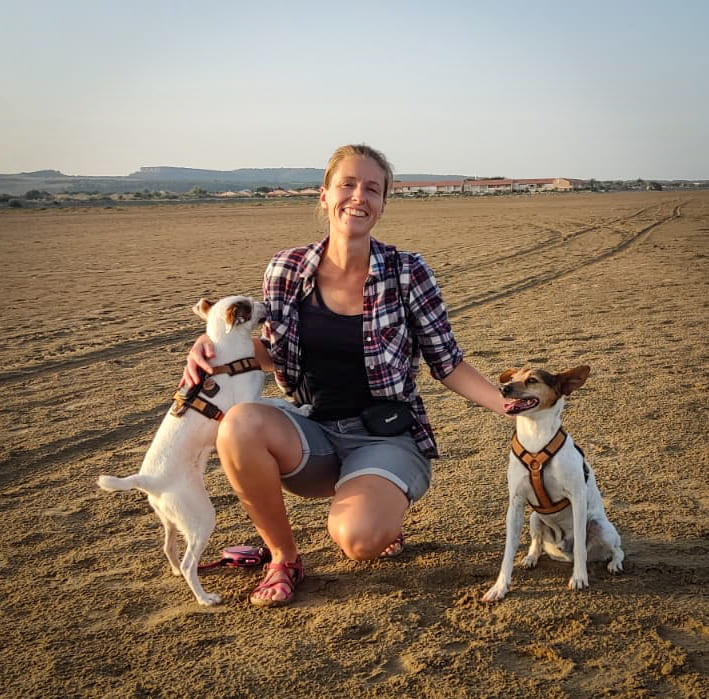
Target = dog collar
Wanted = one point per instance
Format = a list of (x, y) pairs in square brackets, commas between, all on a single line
[(187, 396), (535, 463)]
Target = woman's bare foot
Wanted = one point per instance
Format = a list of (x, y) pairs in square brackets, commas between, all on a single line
[(278, 586), (395, 548)]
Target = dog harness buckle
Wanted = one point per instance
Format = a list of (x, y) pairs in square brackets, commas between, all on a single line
[(210, 387), (179, 408)]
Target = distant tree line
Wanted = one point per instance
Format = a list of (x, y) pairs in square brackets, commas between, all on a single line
[(35, 197), (628, 185)]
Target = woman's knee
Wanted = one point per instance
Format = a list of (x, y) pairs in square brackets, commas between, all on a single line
[(361, 541), (244, 418), (242, 423), (252, 432), (366, 516)]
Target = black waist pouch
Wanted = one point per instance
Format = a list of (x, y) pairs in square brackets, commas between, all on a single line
[(387, 418)]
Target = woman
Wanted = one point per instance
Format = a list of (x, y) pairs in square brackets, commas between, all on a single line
[(348, 319)]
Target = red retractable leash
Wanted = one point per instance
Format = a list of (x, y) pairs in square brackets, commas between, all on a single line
[(239, 557)]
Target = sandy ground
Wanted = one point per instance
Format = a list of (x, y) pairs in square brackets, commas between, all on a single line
[(96, 324)]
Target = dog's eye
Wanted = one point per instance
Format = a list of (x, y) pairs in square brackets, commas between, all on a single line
[(531, 379)]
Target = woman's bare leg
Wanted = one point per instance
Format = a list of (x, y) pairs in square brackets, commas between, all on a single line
[(366, 515), (256, 444)]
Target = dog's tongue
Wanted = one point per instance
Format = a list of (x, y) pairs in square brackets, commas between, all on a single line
[(517, 406)]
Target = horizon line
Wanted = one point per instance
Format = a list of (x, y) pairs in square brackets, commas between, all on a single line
[(287, 167)]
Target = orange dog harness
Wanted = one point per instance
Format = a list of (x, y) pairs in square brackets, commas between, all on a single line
[(535, 463), (187, 396)]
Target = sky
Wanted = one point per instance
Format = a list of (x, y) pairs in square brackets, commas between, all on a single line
[(609, 90)]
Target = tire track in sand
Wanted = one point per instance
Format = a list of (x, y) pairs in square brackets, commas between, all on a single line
[(22, 463), (119, 350), (558, 240), (554, 274)]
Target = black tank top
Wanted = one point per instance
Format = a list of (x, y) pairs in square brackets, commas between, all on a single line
[(332, 360)]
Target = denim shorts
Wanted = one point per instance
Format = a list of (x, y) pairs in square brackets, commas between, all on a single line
[(336, 451)]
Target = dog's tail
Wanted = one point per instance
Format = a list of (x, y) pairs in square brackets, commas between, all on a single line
[(139, 481)]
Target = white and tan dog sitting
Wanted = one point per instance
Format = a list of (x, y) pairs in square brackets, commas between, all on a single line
[(550, 473), (172, 473)]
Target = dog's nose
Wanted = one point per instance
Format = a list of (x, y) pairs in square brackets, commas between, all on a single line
[(505, 389)]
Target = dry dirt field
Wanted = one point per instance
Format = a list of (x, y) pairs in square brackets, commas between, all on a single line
[(96, 323)]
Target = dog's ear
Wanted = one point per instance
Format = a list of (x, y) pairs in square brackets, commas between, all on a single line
[(201, 308), (237, 314), (506, 375), (572, 379)]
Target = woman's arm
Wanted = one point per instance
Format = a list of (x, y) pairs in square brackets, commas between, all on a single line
[(263, 356), (471, 384)]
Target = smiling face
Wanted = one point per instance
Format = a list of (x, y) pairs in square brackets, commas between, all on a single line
[(354, 196)]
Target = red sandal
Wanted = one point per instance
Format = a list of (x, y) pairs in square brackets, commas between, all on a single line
[(289, 575)]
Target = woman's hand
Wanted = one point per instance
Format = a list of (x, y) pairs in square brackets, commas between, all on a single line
[(198, 358)]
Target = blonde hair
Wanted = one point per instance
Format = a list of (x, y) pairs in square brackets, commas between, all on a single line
[(362, 151)]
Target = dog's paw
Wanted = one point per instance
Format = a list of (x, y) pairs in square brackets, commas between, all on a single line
[(530, 561), (210, 599), (615, 567), (578, 582), (495, 593)]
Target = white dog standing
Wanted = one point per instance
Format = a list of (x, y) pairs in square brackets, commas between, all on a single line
[(549, 472), (172, 473)]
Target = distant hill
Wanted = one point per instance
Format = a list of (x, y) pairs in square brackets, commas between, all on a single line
[(176, 179), (243, 178), (43, 173)]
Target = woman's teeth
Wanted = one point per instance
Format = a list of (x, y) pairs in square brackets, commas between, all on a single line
[(355, 212)]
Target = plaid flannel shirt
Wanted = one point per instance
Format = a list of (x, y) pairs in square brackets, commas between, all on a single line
[(392, 347)]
